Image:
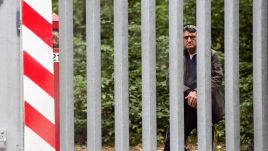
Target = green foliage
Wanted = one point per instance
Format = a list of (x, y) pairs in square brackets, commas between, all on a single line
[(80, 109), (246, 77), (55, 6), (189, 12), (246, 81), (80, 91), (135, 84), (246, 103)]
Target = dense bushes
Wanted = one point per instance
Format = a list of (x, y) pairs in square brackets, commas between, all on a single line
[(161, 68)]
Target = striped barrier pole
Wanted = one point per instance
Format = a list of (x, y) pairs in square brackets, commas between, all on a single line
[(56, 78), (39, 105)]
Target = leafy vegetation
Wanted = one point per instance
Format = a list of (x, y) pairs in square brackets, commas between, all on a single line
[(107, 50)]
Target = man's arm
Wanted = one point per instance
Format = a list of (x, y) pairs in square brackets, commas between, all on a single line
[(216, 80), (185, 88), (217, 74)]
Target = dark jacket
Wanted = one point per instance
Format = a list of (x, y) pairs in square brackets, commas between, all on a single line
[(218, 109), (218, 104)]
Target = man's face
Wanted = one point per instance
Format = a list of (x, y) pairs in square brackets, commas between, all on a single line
[(189, 40)]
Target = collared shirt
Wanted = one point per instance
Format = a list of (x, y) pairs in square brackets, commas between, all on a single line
[(192, 55)]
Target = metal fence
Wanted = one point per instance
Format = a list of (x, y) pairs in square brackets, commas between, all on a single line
[(11, 112), (11, 127)]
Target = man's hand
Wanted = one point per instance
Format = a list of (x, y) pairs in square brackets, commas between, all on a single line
[(192, 99)]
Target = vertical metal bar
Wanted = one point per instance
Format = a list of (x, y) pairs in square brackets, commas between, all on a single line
[(121, 75), (260, 74), (66, 75), (176, 75), (93, 75), (232, 118), (204, 114), (11, 76), (148, 75)]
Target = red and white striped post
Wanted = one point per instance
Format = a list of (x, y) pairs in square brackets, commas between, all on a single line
[(39, 104), (56, 78)]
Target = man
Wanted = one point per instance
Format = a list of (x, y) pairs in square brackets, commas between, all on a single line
[(190, 85)]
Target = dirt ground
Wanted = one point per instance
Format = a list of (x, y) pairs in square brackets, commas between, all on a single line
[(139, 148)]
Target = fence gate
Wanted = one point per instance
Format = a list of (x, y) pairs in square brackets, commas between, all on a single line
[(36, 82)]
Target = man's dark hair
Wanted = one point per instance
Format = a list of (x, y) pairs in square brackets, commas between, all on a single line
[(189, 28)]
